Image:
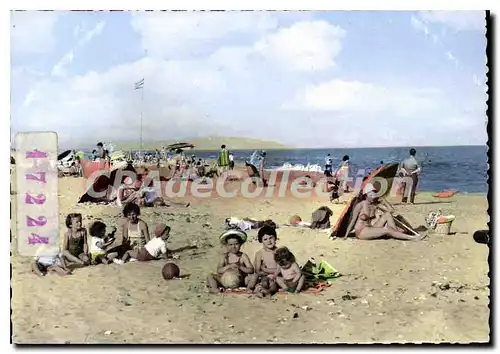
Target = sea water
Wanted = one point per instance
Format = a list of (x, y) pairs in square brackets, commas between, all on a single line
[(463, 168)]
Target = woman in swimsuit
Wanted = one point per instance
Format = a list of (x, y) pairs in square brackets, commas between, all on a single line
[(134, 230), (368, 227)]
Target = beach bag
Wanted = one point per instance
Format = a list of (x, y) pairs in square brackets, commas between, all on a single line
[(321, 218), (315, 272)]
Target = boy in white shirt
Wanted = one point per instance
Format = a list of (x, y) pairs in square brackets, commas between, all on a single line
[(155, 248)]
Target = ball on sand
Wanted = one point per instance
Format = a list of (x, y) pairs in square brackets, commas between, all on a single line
[(170, 271), (230, 279), (295, 219)]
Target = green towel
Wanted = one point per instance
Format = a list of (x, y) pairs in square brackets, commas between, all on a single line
[(323, 271)]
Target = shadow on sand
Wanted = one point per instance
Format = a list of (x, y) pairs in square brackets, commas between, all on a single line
[(424, 203)]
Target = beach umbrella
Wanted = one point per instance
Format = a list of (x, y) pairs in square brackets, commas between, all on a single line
[(174, 147), (385, 173), (63, 155)]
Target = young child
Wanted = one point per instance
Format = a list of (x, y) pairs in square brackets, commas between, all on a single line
[(335, 192), (44, 265), (155, 248), (100, 242), (75, 247), (265, 265), (232, 259), (134, 229), (288, 275)]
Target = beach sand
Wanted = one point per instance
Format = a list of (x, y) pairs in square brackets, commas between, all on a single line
[(430, 291)]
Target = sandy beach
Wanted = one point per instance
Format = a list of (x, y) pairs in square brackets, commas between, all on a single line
[(432, 291)]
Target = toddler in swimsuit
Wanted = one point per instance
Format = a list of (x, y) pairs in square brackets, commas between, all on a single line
[(289, 276), (100, 242), (232, 260)]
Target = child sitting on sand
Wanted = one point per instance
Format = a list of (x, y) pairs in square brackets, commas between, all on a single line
[(134, 230), (289, 276), (155, 248), (265, 265), (46, 264), (232, 260), (75, 247), (100, 242)]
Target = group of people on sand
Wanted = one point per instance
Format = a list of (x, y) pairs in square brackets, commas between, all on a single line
[(137, 243), (141, 193), (274, 267)]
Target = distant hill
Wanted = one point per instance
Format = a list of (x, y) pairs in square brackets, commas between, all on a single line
[(210, 143)]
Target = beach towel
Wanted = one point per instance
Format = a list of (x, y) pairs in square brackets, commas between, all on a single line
[(445, 194)]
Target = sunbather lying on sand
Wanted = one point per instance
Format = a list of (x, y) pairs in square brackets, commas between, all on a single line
[(44, 265), (368, 227)]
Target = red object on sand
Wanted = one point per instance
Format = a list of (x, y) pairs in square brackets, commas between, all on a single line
[(445, 194), (170, 271), (89, 167)]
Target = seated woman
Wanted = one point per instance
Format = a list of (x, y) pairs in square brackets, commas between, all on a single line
[(129, 192), (368, 227)]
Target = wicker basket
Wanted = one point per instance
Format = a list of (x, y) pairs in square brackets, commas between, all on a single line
[(443, 228)]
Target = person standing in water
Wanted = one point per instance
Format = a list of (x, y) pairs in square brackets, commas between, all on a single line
[(342, 173), (261, 168), (328, 163), (231, 161), (410, 167)]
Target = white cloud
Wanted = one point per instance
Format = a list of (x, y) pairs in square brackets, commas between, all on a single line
[(180, 34), (419, 25), (458, 20), (222, 74), (58, 69), (354, 96), (32, 31), (305, 46)]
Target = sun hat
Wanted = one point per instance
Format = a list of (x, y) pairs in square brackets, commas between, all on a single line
[(238, 233)]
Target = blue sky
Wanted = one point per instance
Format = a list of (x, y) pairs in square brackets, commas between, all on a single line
[(316, 79)]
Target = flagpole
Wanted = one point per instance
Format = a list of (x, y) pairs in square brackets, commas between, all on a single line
[(142, 97), (142, 108)]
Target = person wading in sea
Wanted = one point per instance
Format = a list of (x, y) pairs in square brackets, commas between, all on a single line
[(328, 163), (410, 168)]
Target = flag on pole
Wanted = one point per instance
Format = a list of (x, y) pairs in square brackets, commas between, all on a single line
[(139, 84)]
